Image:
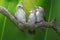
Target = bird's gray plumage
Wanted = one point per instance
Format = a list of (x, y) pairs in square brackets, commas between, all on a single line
[(20, 14), (40, 14), (31, 19)]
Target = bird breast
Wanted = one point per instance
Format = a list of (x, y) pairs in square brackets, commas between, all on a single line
[(31, 19)]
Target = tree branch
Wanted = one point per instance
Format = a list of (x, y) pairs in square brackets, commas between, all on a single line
[(12, 18), (26, 25)]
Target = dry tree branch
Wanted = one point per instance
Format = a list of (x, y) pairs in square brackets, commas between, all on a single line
[(26, 25)]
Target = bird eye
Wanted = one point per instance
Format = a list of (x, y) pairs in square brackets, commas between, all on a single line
[(19, 6)]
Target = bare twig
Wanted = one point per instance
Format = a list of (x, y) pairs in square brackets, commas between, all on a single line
[(26, 25)]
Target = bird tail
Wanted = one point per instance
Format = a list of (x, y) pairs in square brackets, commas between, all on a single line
[(31, 32)]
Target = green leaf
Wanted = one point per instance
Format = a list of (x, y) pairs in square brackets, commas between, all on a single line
[(54, 12)]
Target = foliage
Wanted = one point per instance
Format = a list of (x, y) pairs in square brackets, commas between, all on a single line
[(8, 30)]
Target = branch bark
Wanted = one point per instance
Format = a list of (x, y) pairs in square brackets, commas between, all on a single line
[(26, 25)]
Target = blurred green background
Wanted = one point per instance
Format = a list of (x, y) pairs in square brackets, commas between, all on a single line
[(8, 30)]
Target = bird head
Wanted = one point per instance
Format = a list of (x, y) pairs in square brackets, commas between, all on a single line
[(39, 8), (32, 11), (19, 6)]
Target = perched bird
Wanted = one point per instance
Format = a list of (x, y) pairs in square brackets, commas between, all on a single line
[(32, 17), (20, 14), (32, 20), (40, 16)]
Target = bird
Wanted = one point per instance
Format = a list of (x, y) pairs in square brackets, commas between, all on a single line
[(20, 14), (32, 20), (40, 16), (32, 17)]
